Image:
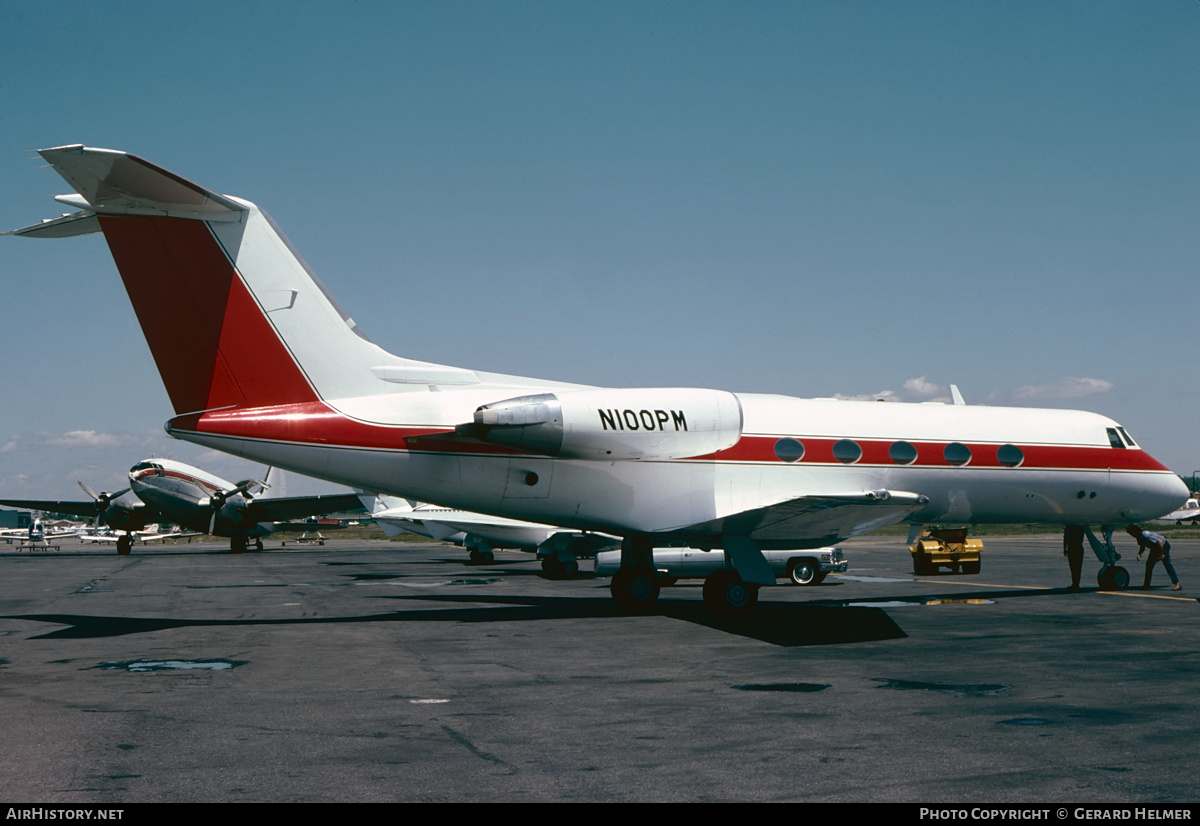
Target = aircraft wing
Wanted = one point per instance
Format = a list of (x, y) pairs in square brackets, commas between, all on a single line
[(87, 508), (97, 537), (827, 518), (299, 507)]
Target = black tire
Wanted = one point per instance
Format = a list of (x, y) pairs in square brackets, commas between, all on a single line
[(972, 567), (124, 545), (803, 572), (1120, 578), (728, 596), (635, 589), (1105, 579)]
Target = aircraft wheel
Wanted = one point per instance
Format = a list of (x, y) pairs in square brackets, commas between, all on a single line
[(1106, 579), (803, 572), (124, 545), (487, 557), (550, 565), (237, 545), (1120, 578), (635, 589), (570, 569), (728, 596)]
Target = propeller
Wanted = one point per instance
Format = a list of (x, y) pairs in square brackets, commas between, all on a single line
[(218, 499), (102, 499)]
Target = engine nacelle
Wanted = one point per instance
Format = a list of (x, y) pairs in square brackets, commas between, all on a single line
[(643, 423)]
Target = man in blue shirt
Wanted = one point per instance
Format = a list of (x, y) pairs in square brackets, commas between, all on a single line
[(1159, 548)]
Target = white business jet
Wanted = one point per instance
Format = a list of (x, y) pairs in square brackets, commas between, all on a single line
[(260, 362)]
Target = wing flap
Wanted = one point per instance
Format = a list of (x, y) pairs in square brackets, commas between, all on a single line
[(813, 521)]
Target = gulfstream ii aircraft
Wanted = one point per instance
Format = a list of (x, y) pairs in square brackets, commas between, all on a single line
[(260, 362)]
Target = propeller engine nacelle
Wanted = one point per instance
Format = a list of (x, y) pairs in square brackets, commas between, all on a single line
[(642, 423)]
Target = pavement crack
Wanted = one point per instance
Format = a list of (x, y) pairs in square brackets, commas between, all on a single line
[(466, 743)]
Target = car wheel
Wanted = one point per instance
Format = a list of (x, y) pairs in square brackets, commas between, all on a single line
[(803, 572)]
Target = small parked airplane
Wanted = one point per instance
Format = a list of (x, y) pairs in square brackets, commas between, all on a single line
[(270, 368), (37, 531), (1190, 512), (163, 490), (558, 548)]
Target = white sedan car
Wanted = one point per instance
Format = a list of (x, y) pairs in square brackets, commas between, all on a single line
[(801, 567)]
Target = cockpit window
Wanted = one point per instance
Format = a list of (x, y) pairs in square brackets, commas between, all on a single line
[(142, 469), (1128, 440), (1114, 438)]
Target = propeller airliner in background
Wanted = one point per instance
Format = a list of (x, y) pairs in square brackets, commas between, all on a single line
[(273, 370), (163, 490)]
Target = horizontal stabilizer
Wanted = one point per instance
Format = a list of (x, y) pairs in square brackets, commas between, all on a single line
[(117, 183), (68, 226)]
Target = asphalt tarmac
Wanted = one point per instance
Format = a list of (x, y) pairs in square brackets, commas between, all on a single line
[(376, 671)]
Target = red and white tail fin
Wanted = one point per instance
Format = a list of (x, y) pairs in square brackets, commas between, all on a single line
[(232, 315)]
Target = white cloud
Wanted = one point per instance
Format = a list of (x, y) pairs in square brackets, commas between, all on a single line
[(914, 390), (92, 439), (1065, 388)]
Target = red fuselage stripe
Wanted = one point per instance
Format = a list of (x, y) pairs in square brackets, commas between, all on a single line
[(317, 423)]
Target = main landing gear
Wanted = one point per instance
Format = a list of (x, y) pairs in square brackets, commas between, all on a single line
[(479, 551), (728, 596), (124, 544), (556, 568), (635, 587), (242, 544)]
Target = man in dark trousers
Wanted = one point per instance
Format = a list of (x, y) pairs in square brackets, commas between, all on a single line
[(1073, 551), (1159, 548)]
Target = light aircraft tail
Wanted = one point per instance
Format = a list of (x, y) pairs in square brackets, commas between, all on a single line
[(232, 315)]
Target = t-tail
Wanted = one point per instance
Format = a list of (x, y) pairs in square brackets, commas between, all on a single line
[(232, 314)]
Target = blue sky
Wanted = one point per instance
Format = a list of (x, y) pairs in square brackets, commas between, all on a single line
[(809, 198)]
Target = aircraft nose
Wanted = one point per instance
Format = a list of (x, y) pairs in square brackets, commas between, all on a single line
[(1157, 496)]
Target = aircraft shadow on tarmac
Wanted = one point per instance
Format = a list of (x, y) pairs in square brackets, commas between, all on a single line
[(786, 624), (783, 624)]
